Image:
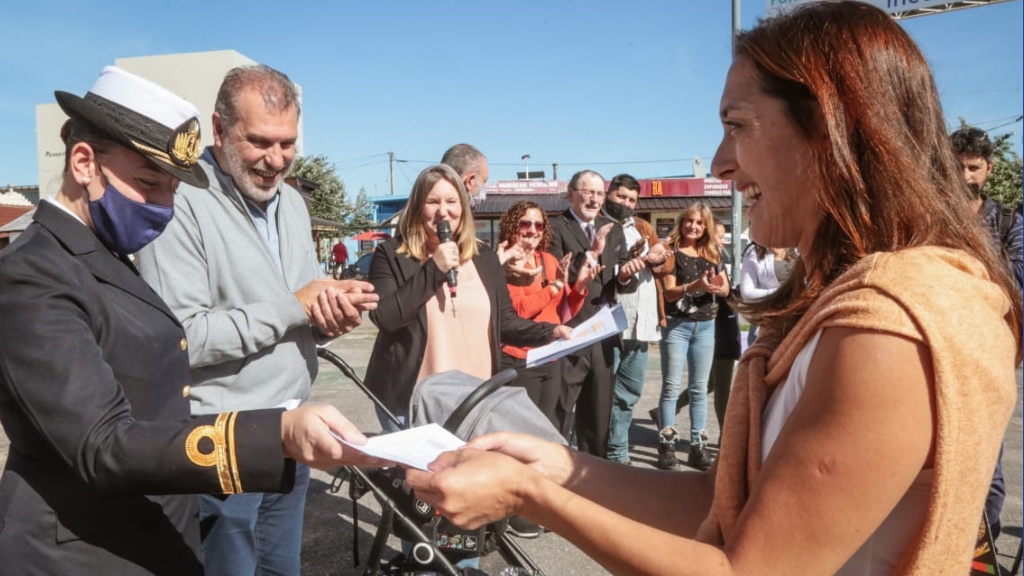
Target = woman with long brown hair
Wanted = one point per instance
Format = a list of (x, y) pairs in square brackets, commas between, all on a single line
[(690, 286), (539, 289), (864, 423)]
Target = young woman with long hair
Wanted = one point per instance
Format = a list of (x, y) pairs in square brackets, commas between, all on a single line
[(690, 286)]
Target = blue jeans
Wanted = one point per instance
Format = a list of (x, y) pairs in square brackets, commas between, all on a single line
[(629, 367), (694, 342), (254, 533)]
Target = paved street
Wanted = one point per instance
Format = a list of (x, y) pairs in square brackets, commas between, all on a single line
[(327, 540)]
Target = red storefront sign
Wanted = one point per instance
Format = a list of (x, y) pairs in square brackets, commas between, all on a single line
[(667, 187)]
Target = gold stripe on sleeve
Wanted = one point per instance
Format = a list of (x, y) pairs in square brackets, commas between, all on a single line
[(233, 455), (222, 435)]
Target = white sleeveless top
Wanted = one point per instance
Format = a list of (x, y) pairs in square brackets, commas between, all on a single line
[(878, 556)]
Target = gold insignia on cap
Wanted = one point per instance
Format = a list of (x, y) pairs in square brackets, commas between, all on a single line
[(222, 435), (184, 143)]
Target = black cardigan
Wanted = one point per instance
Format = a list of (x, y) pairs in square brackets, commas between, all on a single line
[(404, 286)]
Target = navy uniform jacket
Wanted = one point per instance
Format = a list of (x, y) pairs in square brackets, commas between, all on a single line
[(93, 397)]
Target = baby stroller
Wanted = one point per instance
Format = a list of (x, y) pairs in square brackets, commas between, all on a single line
[(466, 407)]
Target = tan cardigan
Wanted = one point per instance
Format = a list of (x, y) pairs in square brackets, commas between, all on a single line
[(942, 298)]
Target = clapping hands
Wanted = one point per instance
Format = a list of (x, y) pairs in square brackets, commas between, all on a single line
[(513, 253), (717, 284), (336, 307), (657, 254), (599, 237)]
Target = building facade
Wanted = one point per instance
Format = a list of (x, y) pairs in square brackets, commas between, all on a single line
[(660, 202)]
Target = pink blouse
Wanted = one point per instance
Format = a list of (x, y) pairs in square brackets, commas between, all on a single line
[(459, 341)]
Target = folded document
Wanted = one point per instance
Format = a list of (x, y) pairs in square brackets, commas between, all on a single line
[(605, 323), (415, 447)]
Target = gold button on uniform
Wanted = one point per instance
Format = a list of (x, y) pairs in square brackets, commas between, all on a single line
[(184, 344), (186, 391)]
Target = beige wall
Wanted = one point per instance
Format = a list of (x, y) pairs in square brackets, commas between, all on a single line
[(195, 76)]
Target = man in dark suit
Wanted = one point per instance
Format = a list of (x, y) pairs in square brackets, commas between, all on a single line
[(587, 375)]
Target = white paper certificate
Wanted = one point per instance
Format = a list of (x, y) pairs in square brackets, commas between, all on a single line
[(607, 322), (415, 447)]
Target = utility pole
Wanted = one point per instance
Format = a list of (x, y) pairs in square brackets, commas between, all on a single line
[(391, 163), (737, 197), (554, 170)]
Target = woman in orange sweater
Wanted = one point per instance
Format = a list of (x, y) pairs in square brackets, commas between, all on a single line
[(538, 287)]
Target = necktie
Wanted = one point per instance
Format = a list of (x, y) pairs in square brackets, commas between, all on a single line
[(590, 234)]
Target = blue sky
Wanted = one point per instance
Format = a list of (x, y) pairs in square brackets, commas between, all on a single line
[(613, 86)]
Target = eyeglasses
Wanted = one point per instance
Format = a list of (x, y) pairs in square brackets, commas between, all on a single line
[(527, 224), (590, 193), (973, 133), (977, 133)]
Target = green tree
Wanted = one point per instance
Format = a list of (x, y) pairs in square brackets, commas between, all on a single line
[(361, 214), (328, 199), (1004, 184)]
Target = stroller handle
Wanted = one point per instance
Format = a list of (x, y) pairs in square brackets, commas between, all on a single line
[(347, 370), (482, 391)]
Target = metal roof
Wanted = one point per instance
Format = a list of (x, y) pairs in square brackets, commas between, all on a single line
[(682, 202), (497, 204), (18, 224)]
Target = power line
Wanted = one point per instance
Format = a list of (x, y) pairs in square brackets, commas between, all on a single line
[(1007, 121), (364, 164), (361, 158), (1018, 119), (402, 170)]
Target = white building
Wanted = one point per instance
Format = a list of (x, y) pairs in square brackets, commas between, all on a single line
[(196, 76)]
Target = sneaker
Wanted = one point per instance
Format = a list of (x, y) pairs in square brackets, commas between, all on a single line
[(667, 456), (523, 528), (699, 458), (623, 461)]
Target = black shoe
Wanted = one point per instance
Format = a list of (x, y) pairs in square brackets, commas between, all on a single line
[(523, 528), (667, 456), (699, 458)]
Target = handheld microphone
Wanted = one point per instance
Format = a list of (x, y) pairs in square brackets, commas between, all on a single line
[(444, 234)]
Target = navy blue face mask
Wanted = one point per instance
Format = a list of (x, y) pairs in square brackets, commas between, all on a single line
[(124, 225)]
